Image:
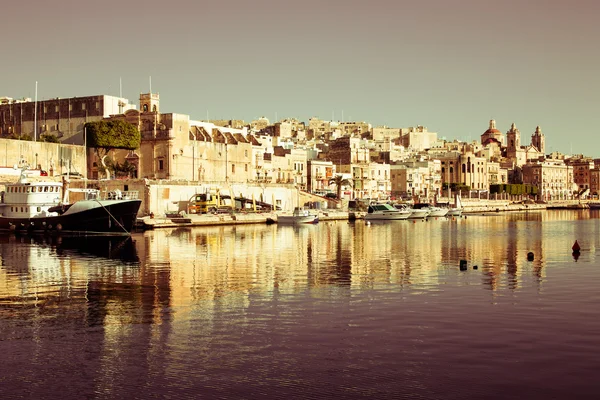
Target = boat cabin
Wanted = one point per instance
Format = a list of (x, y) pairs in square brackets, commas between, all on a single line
[(30, 199)]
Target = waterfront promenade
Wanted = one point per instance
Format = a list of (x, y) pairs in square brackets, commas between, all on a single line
[(473, 206)]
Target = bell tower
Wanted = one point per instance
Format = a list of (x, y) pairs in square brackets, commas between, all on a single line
[(538, 140), (513, 139), (149, 102)]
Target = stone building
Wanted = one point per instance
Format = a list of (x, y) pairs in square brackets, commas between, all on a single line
[(492, 135), (582, 167), (63, 118), (464, 168), (553, 178), (420, 178), (522, 154)]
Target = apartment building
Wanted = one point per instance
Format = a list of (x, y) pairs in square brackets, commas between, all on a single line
[(582, 167), (553, 178)]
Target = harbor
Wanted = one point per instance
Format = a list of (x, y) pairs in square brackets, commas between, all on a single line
[(182, 219)]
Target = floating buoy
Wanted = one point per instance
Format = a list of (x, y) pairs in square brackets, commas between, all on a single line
[(530, 256), (576, 247)]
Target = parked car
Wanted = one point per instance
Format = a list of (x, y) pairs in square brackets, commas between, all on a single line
[(331, 195)]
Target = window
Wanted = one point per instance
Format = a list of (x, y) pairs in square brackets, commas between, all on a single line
[(56, 108), (160, 165), (233, 168), (83, 106), (39, 209), (145, 107), (97, 105)]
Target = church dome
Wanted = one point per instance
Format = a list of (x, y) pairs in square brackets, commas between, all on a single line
[(492, 129)]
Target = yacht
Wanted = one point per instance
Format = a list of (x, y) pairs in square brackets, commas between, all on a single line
[(385, 212)]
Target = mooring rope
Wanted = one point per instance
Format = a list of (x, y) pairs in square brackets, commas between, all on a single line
[(112, 216)]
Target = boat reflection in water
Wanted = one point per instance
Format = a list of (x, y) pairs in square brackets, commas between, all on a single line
[(334, 310), (112, 247)]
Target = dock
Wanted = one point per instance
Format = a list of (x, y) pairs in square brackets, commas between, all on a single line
[(194, 220)]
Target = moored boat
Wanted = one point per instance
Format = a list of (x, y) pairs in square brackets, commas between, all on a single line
[(385, 212), (44, 207), (457, 210), (298, 216), (432, 211)]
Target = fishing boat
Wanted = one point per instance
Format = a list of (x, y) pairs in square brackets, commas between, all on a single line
[(300, 215), (45, 207), (385, 212)]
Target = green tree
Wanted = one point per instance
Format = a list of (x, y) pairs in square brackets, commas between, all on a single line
[(46, 137), (339, 181), (107, 135)]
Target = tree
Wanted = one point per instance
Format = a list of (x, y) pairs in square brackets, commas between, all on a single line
[(47, 137), (107, 135), (339, 181)]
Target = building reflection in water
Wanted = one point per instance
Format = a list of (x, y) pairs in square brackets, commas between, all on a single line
[(129, 294)]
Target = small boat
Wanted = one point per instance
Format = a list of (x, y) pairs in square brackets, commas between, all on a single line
[(385, 212), (298, 216), (44, 207), (457, 210), (594, 206), (433, 211)]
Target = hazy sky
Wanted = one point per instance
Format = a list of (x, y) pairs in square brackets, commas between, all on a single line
[(448, 65)]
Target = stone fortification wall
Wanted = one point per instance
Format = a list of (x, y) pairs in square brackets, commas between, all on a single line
[(54, 158)]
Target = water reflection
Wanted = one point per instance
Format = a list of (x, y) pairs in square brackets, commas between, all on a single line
[(203, 308)]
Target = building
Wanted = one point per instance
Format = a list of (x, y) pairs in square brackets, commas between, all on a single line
[(492, 135), (553, 178), (62, 118), (522, 154)]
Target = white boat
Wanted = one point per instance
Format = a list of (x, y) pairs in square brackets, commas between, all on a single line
[(298, 216), (457, 210), (42, 207), (432, 211), (385, 212)]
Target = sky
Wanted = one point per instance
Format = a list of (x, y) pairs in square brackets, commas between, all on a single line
[(449, 65)]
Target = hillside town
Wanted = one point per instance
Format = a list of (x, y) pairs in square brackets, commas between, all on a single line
[(373, 162)]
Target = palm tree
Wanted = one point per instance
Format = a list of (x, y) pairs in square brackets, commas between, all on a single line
[(339, 181)]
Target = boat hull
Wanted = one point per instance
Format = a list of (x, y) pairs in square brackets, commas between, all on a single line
[(83, 217), (392, 216), (454, 212), (415, 214), (297, 219)]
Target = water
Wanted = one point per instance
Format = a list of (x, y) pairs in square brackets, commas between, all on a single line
[(335, 310)]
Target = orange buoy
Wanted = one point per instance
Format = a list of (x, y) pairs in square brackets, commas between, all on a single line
[(576, 247)]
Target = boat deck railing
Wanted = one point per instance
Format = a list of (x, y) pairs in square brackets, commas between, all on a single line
[(120, 195)]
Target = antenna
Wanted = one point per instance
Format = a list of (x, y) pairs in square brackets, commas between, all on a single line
[(35, 116)]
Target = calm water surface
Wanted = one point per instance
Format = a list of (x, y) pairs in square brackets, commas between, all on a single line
[(336, 310)]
